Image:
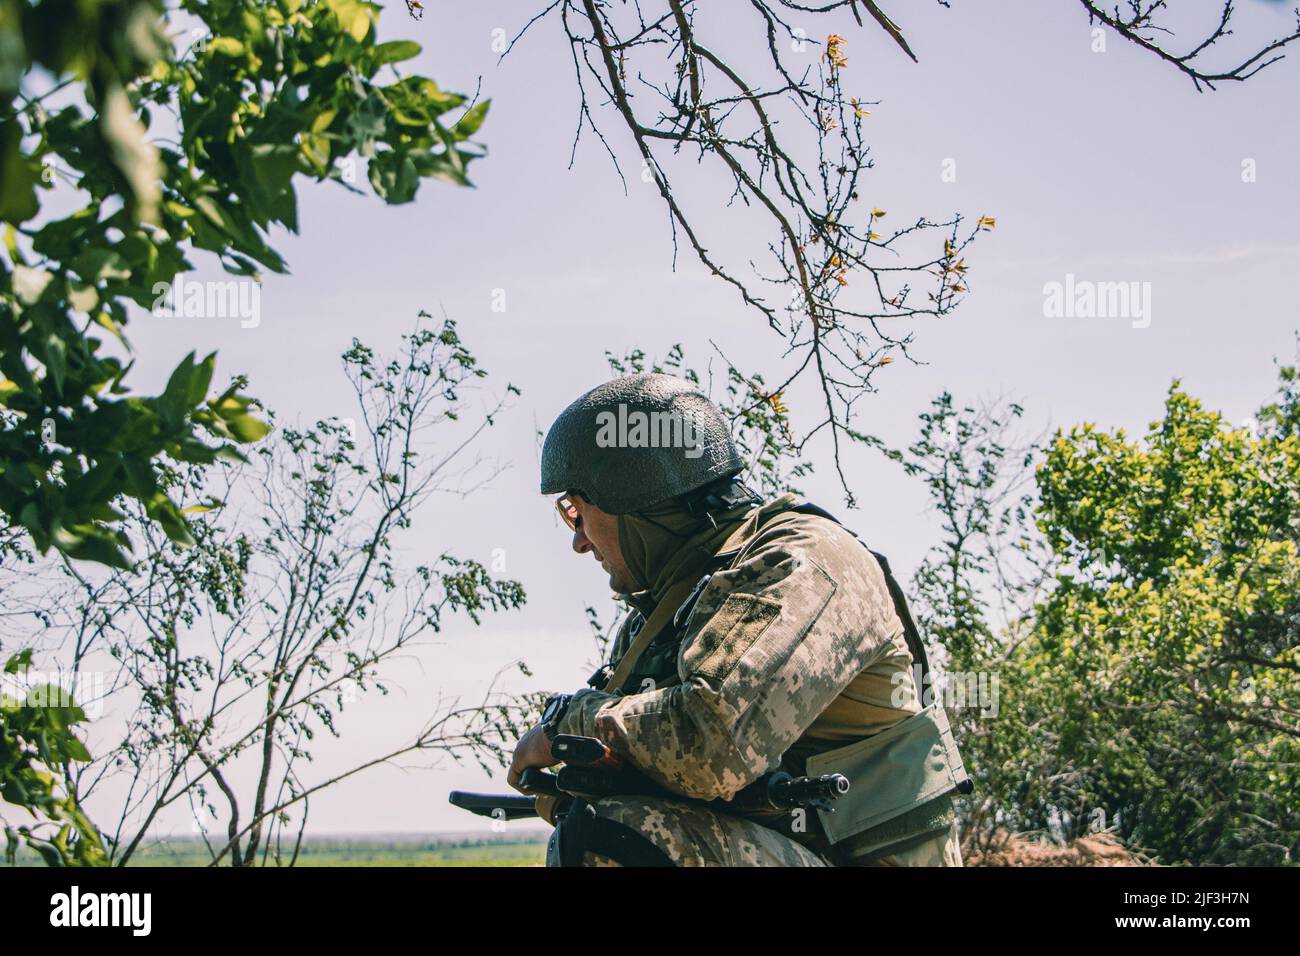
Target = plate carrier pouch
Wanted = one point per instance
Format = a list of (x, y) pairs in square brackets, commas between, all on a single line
[(902, 777)]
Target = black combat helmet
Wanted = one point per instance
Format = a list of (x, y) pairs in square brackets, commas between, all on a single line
[(637, 441)]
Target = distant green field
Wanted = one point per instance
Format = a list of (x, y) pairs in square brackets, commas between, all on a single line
[(357, 851)]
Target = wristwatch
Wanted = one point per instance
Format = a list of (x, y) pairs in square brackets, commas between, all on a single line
[(552, 712)]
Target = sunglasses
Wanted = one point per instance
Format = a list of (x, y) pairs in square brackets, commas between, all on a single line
[(568, 511)]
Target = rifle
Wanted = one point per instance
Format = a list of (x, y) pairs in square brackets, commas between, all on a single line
[(592, 770)]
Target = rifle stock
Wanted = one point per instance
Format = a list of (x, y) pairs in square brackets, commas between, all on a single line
[(496, 806)]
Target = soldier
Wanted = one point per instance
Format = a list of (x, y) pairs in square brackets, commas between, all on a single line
[(762, 636)]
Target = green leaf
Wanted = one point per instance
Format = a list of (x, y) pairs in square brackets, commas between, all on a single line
[(354, 17), (76, 750), (20, 661), (226, 46), (394, 177), (395, 51), (56, 359), (92, 544), (202, 379), (96, 264), (19, 177), (163, 510), (246, 428), (469, 124), (175, 399)]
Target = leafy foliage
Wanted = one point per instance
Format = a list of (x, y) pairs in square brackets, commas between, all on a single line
[(169, 149), (36, 742), (230, 659), (1172, 634), (1140, 613)]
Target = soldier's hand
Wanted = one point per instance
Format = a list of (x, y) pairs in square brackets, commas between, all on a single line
[(533, 750)]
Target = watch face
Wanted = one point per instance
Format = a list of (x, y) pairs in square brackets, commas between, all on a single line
[(552, 707)]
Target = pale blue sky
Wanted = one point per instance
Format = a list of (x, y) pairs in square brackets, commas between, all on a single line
[(1108, 166)]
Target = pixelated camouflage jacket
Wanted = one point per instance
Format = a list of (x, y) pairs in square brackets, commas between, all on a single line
[(793, 648)]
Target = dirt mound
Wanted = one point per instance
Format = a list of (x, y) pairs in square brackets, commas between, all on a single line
[(1016, 849)]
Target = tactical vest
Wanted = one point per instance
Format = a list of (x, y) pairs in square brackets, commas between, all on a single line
[(902, 778)]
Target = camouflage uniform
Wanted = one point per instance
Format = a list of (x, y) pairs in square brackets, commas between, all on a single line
[(793, 648)]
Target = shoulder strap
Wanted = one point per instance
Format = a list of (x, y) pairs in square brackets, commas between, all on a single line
[(659, 618), (910, 630)]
